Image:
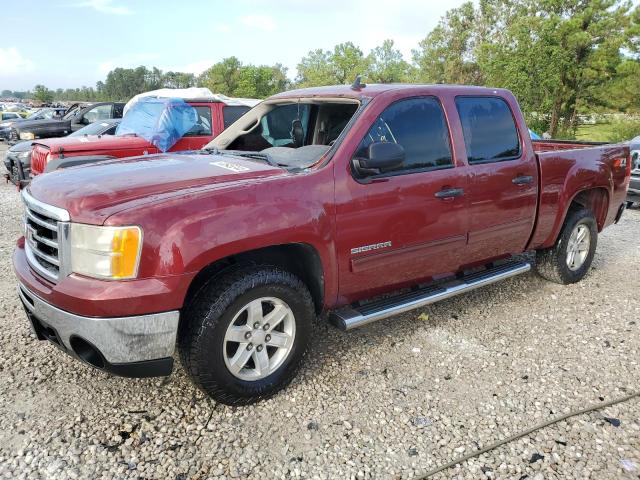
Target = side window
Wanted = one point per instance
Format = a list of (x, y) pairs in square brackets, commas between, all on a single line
[(231, 113), (118, 109), (203, 125), (419, 126), (489, 130), (101, 112)]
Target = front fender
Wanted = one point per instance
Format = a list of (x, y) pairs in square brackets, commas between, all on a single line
[(188, 232)]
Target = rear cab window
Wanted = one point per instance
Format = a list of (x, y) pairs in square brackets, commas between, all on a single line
[(419, 126), (231, 113), (489, 129)]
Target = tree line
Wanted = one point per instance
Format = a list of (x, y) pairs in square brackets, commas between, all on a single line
[(561, 58)]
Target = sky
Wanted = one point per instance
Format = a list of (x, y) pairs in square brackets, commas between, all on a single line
[(71, 43)]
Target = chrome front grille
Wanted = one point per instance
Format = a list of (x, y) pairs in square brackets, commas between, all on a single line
[(46, 230)]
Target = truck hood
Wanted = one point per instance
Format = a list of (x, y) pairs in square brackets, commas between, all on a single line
[(37, 124), (94, 142), (92, 193)]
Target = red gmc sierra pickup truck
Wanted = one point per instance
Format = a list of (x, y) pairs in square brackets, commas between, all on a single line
[(316, 200)]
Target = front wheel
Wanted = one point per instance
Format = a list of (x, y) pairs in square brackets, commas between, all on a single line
[(243, 336), (568, 261)]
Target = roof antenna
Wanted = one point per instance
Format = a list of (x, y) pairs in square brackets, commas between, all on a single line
[(357, 83)]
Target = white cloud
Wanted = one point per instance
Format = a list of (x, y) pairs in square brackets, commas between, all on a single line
[(12, 62), (222, 28), (196, 67), (261, 22), (105, 6)]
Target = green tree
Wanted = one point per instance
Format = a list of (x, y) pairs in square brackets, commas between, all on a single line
[(386, 65), (222, 77), (178, 80), (447, 54), (347, 62), (316, 69), (123, 83), (554, 54), (42, 94), (261, 81)]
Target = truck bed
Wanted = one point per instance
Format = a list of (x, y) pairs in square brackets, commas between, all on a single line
[(566, 169)]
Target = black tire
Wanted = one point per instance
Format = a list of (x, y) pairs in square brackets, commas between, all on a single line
[(207, 317), (551, 263)]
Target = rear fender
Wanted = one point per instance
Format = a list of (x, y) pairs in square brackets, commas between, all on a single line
[(595, 199)]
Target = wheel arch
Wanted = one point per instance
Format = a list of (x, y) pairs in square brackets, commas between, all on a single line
[(594, 199), (300, 259)]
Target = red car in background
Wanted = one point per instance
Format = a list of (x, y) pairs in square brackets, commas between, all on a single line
[(214, 115)]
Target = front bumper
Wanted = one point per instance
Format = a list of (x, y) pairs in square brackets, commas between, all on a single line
[(138, 346), (19, 170)]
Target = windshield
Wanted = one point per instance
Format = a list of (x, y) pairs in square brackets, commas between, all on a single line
[(292, 133), (73, 111), (95, 128), (36, 113)]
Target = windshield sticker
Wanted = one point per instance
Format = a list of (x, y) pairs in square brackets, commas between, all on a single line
[(234, 167)]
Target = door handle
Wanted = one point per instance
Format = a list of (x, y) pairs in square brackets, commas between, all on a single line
[(522, 180), (450, 193)]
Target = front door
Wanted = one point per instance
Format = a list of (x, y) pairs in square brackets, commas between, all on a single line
[(503, 179), (406, 223), (200, 134)]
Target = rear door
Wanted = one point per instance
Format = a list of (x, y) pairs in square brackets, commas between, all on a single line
[(396, 227), (503, 178)]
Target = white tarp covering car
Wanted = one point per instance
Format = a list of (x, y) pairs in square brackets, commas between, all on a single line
[(192, 93)]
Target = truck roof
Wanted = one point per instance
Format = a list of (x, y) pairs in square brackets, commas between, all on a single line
[(373, 90)]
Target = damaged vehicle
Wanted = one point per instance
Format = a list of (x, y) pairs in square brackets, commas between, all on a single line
[(40, 114), (150, 125), (361, 202), (18, 157), (76, 117)]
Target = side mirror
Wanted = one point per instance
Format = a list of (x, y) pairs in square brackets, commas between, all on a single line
[(380, 156)]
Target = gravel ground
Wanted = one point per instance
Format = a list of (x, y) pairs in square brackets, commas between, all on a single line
[(389, 401)]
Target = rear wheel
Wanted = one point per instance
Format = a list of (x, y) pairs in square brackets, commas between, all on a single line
[(244, 335), (568, 261)]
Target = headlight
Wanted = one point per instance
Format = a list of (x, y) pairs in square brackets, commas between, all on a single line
[(27, 136), (5, 124), (105, 252)]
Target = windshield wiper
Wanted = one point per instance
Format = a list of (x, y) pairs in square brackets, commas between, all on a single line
[(252, 155)]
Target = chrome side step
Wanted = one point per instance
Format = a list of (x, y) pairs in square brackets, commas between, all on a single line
[(349, 317)]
